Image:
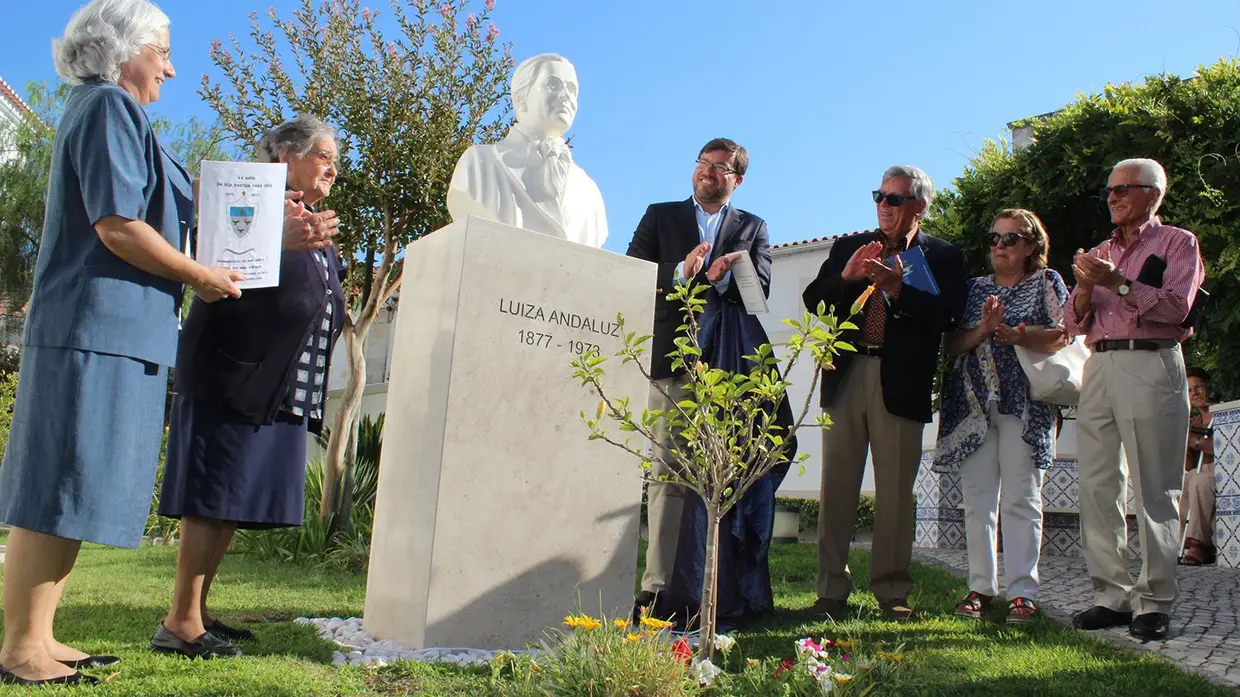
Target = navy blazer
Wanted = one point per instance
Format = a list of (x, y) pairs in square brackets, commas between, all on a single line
[(106, 161), (665, 236), (241, 354), (916, 322)]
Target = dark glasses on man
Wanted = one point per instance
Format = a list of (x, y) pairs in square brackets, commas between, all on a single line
[(1007, 239), (892, 199), (1122, 190)]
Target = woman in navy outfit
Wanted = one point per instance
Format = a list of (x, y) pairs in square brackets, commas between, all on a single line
[(100, 332), (251, 382)]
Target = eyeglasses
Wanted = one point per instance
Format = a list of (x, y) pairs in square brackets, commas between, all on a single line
[(1121, 190), (165, 52), (1007, 239), (325, 158), (892, 199), (719, 167)]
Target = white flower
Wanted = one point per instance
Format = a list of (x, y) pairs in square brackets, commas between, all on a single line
[(724, 643), (705, 671)]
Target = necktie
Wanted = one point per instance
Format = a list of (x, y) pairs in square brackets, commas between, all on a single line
[(874, 328)]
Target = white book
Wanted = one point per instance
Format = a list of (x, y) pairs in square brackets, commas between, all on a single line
[(241, 219), (745, 276)]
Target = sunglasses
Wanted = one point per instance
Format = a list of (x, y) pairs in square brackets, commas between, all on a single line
[(1122, 190), (1006, 239), (892, 199)]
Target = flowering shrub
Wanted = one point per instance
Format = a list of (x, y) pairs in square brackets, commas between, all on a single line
[(818, 668)]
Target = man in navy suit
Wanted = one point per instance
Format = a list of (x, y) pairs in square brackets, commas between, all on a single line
[(879, 398), (697, 238)]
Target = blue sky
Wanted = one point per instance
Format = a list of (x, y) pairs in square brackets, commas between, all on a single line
[(824, 94)]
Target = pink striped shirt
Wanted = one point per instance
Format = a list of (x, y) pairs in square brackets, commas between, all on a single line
[(1158, 311)]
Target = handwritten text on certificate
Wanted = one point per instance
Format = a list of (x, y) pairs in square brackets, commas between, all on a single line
[(241, 219)]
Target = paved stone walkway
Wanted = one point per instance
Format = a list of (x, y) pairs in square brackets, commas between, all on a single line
[(1204, 636)]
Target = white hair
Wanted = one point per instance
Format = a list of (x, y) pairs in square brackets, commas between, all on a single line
[(525, 74), (921, 185), (297, 137), (1152, 173), (103, 36)]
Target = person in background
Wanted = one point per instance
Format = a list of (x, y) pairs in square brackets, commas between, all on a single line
[(990, 430), (1197, 501), (879, 398), (251, 382), (1131, 302), (100, 331)]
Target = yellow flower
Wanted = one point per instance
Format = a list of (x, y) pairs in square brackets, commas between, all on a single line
[(752, 662), (650, 632), (620, 623), (582, 622), (633, 637), (602, 406), (653, 623), (859, 303), (845, 644), (841, 678), (885, 656)]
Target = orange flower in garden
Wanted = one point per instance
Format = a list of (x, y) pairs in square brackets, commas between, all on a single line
[(620, 623), (633, 637), (859, 303), (582, 622)]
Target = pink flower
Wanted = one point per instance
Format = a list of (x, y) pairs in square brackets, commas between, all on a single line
[(681, 650), (391, 47), (471, 20), (788, 664), (445, 10), (845, 657), (366, 13), (492, 32), (490, 5)]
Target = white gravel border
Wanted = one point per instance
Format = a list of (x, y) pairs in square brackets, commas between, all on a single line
[(359, 648)]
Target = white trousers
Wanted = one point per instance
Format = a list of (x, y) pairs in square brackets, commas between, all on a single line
[(1001, 477), (1139, 399)]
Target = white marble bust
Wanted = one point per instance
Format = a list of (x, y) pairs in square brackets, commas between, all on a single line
[(529, 179)]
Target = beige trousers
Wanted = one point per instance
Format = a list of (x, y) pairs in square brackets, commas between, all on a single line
[(664, 501), (860, 421), (1139, 399), (1198, 502)]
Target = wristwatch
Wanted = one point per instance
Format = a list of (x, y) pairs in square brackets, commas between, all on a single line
[(1124, 288)]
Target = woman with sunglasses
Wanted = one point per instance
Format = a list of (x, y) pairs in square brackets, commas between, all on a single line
[(990, 431)]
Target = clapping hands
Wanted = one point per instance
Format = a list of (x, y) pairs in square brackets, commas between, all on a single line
[(305, 231)]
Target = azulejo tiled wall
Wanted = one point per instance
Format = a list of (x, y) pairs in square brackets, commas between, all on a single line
[(1227, 483)]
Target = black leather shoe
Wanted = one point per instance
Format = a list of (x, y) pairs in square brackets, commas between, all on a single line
[(833, 609), (223, 631), (206, 646), (76, 679), (642, 605), (1099, 617), (93, 662), (1151, 626)]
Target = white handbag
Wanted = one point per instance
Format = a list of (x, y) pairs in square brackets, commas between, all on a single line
[(1055, 378)]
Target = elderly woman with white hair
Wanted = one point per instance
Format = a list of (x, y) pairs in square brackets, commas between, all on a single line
[(100, 331), (251, 382)]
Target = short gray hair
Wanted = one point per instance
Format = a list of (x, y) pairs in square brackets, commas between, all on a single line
[(1152, 173), (296, 137), (921, 186), (523, 77), (103, 36)]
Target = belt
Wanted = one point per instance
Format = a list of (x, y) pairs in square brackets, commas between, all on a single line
[(875, 351), (1134, 345)]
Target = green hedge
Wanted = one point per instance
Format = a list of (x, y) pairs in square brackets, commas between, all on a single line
[(808, 510)]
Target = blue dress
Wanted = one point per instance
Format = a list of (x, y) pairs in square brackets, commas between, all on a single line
[(992, 373), (84, 442)]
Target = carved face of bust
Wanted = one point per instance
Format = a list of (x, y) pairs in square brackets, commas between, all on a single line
[(549, 106)]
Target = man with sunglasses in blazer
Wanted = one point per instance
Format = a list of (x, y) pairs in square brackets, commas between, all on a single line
[(879, 398), (697, 238)]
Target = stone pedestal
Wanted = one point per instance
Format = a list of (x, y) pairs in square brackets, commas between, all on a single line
[(495, 515)]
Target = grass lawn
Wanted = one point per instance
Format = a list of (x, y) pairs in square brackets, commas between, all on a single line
[(116, 598)]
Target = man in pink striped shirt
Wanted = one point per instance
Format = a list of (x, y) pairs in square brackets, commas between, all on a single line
[(1131, 303)]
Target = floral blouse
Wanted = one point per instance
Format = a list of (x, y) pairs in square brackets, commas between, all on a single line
[(992, 373)]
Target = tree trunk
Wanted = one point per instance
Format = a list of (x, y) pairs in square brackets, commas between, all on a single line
[(344, 422), (710, 573)]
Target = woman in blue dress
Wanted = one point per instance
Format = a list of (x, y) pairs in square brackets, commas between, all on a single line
[(251, 383), (100, 331), (990, 430)]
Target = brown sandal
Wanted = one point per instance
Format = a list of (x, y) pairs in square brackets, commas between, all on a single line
[(974, 605), (1021, 610), (1197, 553)]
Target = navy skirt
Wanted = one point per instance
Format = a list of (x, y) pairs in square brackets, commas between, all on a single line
[(222, 469), (83, 446)]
